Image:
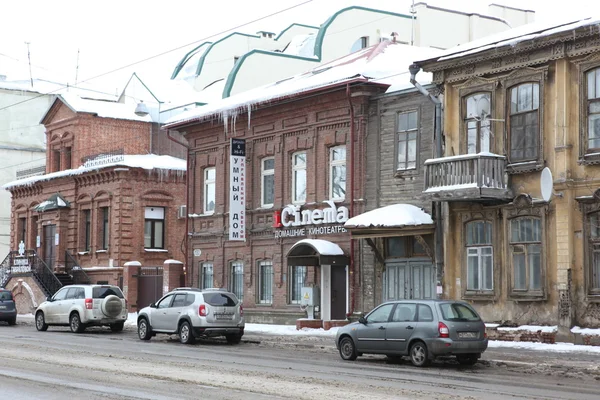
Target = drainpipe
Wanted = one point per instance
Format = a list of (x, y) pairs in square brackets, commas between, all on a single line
[(187, 202), (439, 253), (352, 133)]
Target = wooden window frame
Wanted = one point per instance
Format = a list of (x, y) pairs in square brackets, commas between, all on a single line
[(587, 156), (407, 171), (337, 163), (588, 207)]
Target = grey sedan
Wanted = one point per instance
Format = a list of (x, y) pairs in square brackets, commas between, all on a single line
[(420, 329)]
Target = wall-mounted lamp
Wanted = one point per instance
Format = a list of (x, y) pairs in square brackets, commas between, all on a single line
[(141, 110)]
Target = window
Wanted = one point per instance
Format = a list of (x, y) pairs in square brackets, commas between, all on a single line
[(55, 160), (361, 43), (404, 313), (337, 173), (525, 248), (61, 294), (180, 300), (406, 138), (407, 246), (299, 178), (478, 108), (210, 176), (265, 282), (479, 250), (458, 312), (593, 110), (206, 278), (104, 230), (425, 313), (22, 231), (298, 277), (267, 174), (87, 231), (154, 228), (594, 252), (381, 314), (165, 302), (237, 279), (67, 158), (524, 122)]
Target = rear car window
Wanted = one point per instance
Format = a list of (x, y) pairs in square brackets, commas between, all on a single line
[(458, 312), (220, 299), (101, 292), (5, 295)]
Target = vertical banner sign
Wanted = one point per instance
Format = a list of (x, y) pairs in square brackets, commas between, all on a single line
[(237, 190)]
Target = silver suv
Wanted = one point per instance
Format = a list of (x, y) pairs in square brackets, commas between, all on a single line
[(420, 329), (80, 306), (194, 313)]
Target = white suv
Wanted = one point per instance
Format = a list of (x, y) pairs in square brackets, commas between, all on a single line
[(194, 313), (80, 306)]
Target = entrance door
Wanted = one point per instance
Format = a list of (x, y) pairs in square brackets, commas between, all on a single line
[(49, 248), (338, 292), (408, 279)]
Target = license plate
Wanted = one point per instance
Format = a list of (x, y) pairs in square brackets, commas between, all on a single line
[(467, 335), (2, 307)]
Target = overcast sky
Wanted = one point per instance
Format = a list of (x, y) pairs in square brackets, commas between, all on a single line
[(110, 34)]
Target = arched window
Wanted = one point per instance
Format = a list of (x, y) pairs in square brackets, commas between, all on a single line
[(478, 107)]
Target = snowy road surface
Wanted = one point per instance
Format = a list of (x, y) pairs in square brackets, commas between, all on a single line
[(99, 364)]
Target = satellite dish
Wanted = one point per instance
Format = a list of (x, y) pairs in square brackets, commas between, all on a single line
[(546, 184)]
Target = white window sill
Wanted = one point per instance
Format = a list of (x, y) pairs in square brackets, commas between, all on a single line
[(83, 253), (156, 250), (101, 251), (265, 207)]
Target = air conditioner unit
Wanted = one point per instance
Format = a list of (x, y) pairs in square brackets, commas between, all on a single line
[(182, 212)]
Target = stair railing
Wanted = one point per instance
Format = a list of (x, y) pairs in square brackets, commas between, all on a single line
[(45, 276), (73, 268)]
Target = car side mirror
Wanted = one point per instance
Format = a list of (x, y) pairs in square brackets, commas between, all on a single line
[(152, 305), (49, 298), (362, 320)]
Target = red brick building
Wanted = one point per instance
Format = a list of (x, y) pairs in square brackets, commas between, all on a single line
[(105, 199), (303, 176)]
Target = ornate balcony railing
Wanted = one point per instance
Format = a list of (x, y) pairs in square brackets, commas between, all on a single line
[(467, 177)]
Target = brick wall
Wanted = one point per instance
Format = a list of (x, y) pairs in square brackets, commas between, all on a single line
[(313, 125)]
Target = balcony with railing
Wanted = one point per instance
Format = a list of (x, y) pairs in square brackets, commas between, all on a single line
[(467, 177)]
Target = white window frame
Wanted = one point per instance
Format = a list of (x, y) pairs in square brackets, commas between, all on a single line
[(296, 168), (336, 163), (480, 251), (207, 184), (403, 136), (263, 174)]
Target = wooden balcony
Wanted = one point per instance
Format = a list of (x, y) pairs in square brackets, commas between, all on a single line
[(468, 177)]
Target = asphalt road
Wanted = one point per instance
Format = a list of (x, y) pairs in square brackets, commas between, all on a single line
[(98, 364)]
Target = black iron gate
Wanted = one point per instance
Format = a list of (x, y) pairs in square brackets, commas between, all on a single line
[(150, 282)]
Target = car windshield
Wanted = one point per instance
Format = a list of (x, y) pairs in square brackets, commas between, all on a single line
[(220, 299), (5, 295), (458, 312), (104, 291)]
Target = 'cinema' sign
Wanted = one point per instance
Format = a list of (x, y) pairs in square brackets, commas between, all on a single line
[(310, 222)]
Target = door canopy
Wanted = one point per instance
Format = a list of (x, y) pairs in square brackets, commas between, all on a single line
[(315, 252), (54, 202)]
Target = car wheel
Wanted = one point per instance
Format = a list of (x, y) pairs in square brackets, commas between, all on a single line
[(40, 322), (186, 335), (75, 323), (12, 321), (467, 359), (144, 330), (347, 349), (419, 355), (233, 339), (117, 327)]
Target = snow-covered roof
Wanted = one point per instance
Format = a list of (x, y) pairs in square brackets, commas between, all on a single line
[(386, 63), (323, 247), (302, 45), (394, 216), (105, 109), (145, 161), (512, 37)]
